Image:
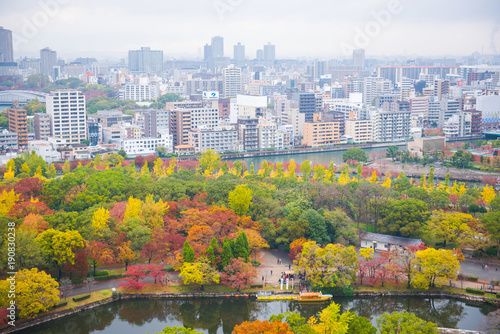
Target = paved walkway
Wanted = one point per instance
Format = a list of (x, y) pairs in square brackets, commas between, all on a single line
[(270, 271)]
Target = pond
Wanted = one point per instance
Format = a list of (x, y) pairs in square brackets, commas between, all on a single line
[(221, 315)]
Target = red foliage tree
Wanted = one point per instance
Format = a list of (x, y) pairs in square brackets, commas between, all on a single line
[(81, 267), (28, 188), (23, 209), (139, 161), (155, 271), (157, 247), (262, 327), (238, 274), (99, 253), (135, 274), (118, 211)]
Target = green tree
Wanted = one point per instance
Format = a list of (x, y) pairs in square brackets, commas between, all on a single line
[(404, 218), (361, 325), (491, 221), (392, 152), (354, 153), (178, 330), (241, 247), (227, 253), (187, 252), (240, 199), (317, 226), (461, 158), (404, 323), (306, 169)]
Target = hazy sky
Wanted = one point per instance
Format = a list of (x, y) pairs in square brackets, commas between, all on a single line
[(299, 29)]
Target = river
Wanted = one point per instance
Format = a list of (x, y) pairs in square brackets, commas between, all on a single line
[(221, 315)]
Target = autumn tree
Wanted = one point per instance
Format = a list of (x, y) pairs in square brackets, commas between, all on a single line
[(306, 169), (404, 323), (100, 219), (134, 274), (36, 292), (436, 267), (209, 162), (125, 254), (491, 221), (158, 246), (7, 200), (200, 272), (331, 266), (240, 199), (262, 327), (99, 253), (291, 168), (238, 274), (331, 320), (178, 330), (59, 246)]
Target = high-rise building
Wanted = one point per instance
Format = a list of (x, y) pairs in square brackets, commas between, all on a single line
[(441, 88), (260, 54), (269, 53), (239, 52), (207, 52), (145, 60), (358, 58), (42, 126), (180, 125), (18, 123), (231, 77), (6, 50), (373, 87), (307, 104), (217, 46), (66, 109), (391, 126), (48, 59), (156, 123)]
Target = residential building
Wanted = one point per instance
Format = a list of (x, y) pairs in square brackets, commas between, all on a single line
[(139, 92), (156, 122), (373, 87), (297, 120), (360, 131), (42, 126), (46, 149), (420, 105), (6, 49), (66, 109), (219, 139), (146, 146), (18, 123), (217, 46), (109, 118), (441, 89), (321, 133), (248, 133), (389, 126), (207, 116), (358, 58), (8, 139), (307, 104), (250, 106), (180, 125), (112, 135), (267, 135), (231, 78), (145, 60), (197, 86), (269, 54), (48, 59)]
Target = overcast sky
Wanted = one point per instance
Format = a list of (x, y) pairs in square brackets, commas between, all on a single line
[(299, 29)]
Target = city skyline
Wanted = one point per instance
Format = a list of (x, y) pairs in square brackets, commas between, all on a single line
[(324, 30)]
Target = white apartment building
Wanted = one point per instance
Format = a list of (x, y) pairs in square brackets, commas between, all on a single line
[(231, 81), (66, 109), (288, 138), (139, 92), (250, 106), (373, 87), (111, 135), (361, 131), (459, 125), (420, 105), (45, 149), (219, 139), (267, 135), (391, 126), (205, 117), (297, 119), (146, 146)]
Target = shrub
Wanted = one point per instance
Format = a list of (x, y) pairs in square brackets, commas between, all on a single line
[(101, 273), (61, 304), (498, 295), (169, 269), (495, 282), (80, 298), (255, 263), (467, 278), (492, 251), (475, 291), (256, 285), (107, 278)]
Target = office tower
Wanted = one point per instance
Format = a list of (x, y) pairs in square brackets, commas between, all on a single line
[(48, 59), (145, 60), (358, 58), (66, 109), (231, 77), (239, 52), (207, 52), (18, 123), (260, 54), (217, 46), (6, 50), (307, 104), (42, 126), (269, 53)]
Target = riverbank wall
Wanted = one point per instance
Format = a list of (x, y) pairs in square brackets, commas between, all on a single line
[(21, 325)]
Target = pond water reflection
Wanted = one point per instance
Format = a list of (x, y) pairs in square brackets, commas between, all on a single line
[(221, 315)]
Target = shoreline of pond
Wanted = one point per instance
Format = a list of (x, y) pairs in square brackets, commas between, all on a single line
[(25, 324)]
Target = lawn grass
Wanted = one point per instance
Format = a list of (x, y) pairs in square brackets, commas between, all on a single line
[(115, 271)]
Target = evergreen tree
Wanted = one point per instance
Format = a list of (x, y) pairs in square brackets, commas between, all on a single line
[(430, 179), (227, 253), (447, 180), (241, 247), (188, 252)]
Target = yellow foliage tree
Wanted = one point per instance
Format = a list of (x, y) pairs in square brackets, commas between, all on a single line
[(100, 219), (209, 162), (9, 173), (66, 167), (171, 166), (240, 199), (125, 254), (488, 194), (437, 267), (145, 168), (7, 200), (291, 168), (153, 212), (373, 177), (36, 292), (331, 320), (158, 169), (366, 253), (200, 272), (25, 168), (387, 182), (133, 208)]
